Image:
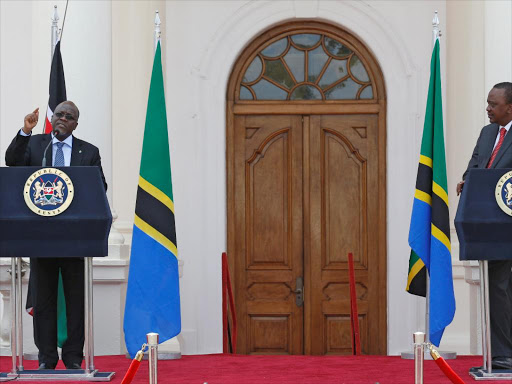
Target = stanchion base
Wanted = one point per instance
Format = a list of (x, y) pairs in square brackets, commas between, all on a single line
[(58, 375), (496, 375), (161, 356), (444, 354)]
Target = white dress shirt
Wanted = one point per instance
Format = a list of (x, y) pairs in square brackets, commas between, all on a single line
[(66, 148)]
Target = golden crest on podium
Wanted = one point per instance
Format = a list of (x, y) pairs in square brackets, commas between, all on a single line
[(504, 193), (48, 192)]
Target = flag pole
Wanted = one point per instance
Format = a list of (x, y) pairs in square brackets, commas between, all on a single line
[(447, 355), (54, 30), (54, 38), (436, 33), (432, 151), (158, 32)]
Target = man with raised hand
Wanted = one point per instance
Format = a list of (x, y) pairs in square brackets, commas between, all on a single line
[(65, 150)]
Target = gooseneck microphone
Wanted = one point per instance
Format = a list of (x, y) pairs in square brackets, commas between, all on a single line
[(54, 134)]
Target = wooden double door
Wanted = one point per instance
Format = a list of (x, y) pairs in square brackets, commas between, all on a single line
[(307, 190)]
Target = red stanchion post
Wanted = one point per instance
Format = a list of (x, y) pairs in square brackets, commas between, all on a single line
[(354, 316), (225, 347), (231, 305)]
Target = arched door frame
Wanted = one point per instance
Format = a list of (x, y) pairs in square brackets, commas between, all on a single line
[(308, 107)]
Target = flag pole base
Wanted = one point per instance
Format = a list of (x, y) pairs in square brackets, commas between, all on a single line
[(409, 355), (32, 356), (161, 356)]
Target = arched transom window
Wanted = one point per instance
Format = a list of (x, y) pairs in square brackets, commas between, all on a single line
[(306, 66)]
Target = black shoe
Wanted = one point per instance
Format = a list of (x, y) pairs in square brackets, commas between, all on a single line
[(74, 366), (502, 362), (46, 366)]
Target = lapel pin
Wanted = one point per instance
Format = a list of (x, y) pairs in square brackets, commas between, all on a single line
[(80, 151)]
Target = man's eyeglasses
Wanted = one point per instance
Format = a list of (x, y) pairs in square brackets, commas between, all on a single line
[(66, 115)]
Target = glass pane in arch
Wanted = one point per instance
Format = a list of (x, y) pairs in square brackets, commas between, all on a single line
[(265, 90), (306, 92), (336, 48), (276, 49), (275, 70), (357, 69), (306, 40), (254, 70), (295, 61), (316, 61), (335, 71), (346, 90), (245, 94), (366, 93)]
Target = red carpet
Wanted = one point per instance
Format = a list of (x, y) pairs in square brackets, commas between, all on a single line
[(228, 369)]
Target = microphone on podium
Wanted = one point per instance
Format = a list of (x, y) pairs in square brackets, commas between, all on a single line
[(54, 133)]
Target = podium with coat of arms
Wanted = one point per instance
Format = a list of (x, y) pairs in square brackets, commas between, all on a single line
[(53, 212), (484, 224)]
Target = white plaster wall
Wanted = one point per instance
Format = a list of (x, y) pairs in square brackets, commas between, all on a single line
[(107, 53), (132, 61)]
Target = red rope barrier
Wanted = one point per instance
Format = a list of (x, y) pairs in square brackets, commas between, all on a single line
[(225, 347), (228, 291), (134, 366), (232, 307), (443, 365)]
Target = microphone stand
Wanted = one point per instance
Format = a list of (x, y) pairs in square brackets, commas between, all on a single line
[(53, 134)]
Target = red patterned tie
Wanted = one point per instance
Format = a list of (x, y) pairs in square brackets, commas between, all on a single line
[(503, 132)]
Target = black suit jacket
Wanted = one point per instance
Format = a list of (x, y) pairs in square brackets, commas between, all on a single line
[(29, 150), (484, 146)]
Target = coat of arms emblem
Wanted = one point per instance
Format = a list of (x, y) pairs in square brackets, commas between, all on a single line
[(504, 193), (48, 192)]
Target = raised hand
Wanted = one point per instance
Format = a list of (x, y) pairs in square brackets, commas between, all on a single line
[(30, 121)]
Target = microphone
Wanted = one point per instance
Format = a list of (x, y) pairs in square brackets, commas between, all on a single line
[(55, 133)]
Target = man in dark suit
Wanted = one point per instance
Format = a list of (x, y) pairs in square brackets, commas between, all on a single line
[(494, 150), (66, 150)]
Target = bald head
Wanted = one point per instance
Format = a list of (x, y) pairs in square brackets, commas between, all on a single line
[(65, 119), (72, 105)]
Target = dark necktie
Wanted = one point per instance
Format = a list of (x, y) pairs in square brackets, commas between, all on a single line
[(59, 156), (503, 132)]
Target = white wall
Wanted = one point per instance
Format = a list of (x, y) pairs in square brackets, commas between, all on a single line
[(107, 53)]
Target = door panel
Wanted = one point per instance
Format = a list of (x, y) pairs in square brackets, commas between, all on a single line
[(344, 218), (307, 192), (269, 236)]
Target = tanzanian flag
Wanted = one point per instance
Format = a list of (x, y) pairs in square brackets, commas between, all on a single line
[(153, 296), (429, 234)]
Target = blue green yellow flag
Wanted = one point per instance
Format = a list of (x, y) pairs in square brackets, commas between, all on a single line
[(429, 233), (153, 295)]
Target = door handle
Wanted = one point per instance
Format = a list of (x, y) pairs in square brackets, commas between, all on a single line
[(299, 291)]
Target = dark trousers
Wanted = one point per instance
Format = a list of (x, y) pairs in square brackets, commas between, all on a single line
[(44, 278), (500, 300)]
